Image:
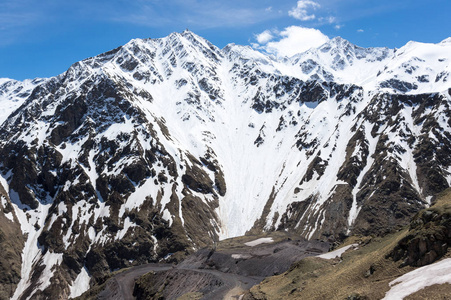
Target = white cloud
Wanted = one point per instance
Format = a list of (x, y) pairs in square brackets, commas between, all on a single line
[(269, 9), (338, 26), (292, 40), (301, 11), (360, 30), (329, 19), (264, 37)]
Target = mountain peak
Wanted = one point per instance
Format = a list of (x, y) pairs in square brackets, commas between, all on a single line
[(188, 32), (340, 41), (3, 80), (337, 44), (195, 40)]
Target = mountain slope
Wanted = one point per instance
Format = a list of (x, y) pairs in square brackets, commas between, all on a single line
[(163, 146), (417, 258)]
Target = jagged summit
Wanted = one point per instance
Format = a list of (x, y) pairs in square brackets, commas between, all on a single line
[(166, 145), (338, 41)]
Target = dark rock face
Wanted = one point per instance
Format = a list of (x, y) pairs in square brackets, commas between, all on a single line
[(399, 85), (428, 239), (332, 214)]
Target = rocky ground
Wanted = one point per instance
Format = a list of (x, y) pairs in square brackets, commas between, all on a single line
[(196, 283), (271, 255), (228, 270)]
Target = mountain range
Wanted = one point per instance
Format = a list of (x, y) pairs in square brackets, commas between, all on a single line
[(163, 146)]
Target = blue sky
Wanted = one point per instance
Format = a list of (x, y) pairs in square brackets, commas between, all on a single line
[(43, 38)]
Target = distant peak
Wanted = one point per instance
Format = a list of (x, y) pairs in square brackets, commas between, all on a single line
[(229, 46), (233, 46), (446, 41), (3, 80), (339, 39), (337, 42), (245, 52), (189, 33), (412, 43)]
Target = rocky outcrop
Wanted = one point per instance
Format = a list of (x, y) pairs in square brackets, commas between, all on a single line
[(429, 236)]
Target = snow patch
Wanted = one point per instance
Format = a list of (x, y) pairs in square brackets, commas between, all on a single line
[(50, 260), (31, 253), (241, 256), (338, 252), (437, 273), (259, 241), (372, 142), (127, 225), (167, 216), (9, 215), (81, 284)]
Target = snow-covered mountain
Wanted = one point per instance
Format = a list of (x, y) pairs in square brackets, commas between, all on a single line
[(163, 146)]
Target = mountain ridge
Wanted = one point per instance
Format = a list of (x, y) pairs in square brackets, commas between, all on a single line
[(165, 145)]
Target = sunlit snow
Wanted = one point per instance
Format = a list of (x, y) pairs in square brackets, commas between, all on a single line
[(436, 273)]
